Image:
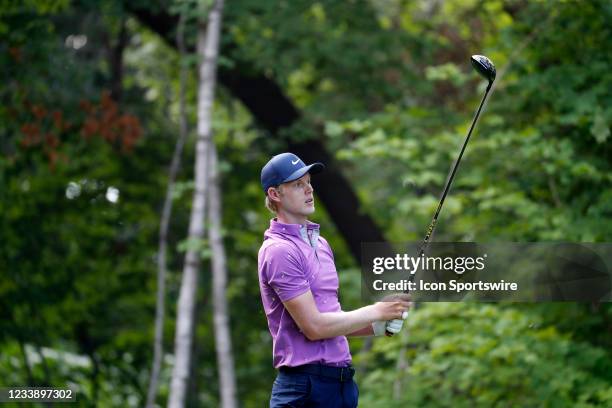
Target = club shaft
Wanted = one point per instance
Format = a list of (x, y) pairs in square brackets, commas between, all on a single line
[(449, 180)]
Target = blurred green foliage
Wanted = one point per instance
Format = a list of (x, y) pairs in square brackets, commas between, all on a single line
[(388, 87), (468, 355)]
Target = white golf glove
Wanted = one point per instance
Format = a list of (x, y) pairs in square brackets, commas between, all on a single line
[(381, 327)]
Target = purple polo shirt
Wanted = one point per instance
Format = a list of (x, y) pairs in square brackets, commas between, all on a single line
[(293, 259)]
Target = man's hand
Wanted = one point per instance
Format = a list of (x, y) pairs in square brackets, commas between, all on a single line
[(382, 327), (394, 325), (393, 306)]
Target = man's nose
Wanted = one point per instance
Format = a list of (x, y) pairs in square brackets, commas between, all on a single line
[(309, 188)]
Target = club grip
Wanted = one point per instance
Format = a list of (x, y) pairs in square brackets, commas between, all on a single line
[(404, 317)]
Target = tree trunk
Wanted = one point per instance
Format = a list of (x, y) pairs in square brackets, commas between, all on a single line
[(158, 350), (116, 61), (223, 340), (400, 368), (26, 362), (208, 45), (94, 377), (47, 374), (361, 367)]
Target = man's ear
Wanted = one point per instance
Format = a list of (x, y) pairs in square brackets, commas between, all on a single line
[(273, 194)]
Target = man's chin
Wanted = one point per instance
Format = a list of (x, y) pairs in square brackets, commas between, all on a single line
[(309, 210)]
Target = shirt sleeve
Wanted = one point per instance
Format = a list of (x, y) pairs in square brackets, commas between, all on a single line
[(285, 272)]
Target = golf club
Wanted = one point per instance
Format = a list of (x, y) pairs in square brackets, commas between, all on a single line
[(485, 67)]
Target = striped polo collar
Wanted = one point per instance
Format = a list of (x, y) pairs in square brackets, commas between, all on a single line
[(297, 230)]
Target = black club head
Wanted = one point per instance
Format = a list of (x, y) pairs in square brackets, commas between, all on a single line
[(484, 66)]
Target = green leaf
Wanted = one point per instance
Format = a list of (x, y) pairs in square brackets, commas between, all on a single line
[(600, 128)]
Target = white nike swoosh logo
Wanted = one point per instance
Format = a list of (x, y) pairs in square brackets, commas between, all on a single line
[(295, 162)]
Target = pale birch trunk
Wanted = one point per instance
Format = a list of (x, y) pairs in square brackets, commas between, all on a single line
[(208, 45), (160, 308), (223, 341), (400, 368)]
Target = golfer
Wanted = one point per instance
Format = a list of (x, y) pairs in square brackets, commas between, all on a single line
[(299, 290)]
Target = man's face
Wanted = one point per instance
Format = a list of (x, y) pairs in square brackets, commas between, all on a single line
[(297, 196)]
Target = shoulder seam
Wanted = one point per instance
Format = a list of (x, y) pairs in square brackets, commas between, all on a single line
[(289, 247)]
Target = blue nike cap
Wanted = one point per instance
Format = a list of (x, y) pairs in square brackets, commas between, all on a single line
[(286, 167)]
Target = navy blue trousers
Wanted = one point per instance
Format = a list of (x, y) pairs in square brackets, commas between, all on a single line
[(308, 390)]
